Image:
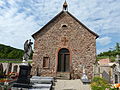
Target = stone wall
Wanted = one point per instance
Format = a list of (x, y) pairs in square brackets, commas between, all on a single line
[(11, 68), (80, 42)]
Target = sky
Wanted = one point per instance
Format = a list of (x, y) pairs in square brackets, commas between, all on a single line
[(19, 19)]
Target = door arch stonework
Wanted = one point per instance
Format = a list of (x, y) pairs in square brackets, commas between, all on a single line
[(63, 60)]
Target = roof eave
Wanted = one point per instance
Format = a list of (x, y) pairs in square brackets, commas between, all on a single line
[(71, 16), (84, 25), (47, 24)]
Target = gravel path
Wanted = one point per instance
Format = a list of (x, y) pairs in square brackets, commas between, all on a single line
[(71, 85)]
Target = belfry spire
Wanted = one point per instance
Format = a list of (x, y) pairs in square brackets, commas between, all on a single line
[(65, 6)]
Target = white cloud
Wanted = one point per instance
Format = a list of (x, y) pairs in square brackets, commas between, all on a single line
[(19, 19), (102, 50), (16, 27), (1, 3), (104, 40)]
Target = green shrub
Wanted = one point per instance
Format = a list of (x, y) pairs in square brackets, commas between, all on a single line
[(99, 84)]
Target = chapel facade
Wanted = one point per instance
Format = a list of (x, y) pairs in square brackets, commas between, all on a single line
[(63, 47)]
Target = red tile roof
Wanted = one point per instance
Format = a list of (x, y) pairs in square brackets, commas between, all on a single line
[(104, 61)]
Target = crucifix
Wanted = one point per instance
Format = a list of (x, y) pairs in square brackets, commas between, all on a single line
[(64, 40)]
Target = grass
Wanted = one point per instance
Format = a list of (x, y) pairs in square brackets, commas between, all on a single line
[(112, 59), (102, 57), (13, 61)]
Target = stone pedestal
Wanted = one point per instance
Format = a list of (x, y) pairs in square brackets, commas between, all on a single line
[(23, 80), (84, 77)]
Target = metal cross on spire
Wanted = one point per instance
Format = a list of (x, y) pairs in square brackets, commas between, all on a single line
[(65, 6)]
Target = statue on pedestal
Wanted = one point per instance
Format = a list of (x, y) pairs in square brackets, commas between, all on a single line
[(27, 49), (23, 80)]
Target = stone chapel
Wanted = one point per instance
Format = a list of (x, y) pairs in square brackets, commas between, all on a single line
[(63, 47)]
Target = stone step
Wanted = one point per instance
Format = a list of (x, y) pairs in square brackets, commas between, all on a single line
[(62, 78), (62, 75)]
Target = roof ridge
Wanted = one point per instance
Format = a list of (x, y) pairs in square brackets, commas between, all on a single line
[(72, 17)]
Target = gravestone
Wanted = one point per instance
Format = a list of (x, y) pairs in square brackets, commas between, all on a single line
[(1, 70), (41, 83), (43, 86), (42, 80), (106, 76), (24, 75), (9, 68), (23, 80), (15, 68)]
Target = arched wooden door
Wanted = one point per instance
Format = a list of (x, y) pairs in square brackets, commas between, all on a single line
[(63, 60)]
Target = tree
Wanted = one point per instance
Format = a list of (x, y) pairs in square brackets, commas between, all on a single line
[(7, 52), (110, 54), (117, 48)]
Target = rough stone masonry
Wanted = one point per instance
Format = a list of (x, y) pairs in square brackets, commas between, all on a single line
[(64, 31)]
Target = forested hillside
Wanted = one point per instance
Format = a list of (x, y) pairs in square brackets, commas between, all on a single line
[(7, 52), (111, 53), (108, 54)]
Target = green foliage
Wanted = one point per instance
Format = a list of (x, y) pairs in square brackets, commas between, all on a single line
[(110, 54), (7, 52), (20, 61), (99, 84), (13, 61), (114, 89), (117, 47)]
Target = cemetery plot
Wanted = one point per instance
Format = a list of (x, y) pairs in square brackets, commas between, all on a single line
[(41, 83)]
